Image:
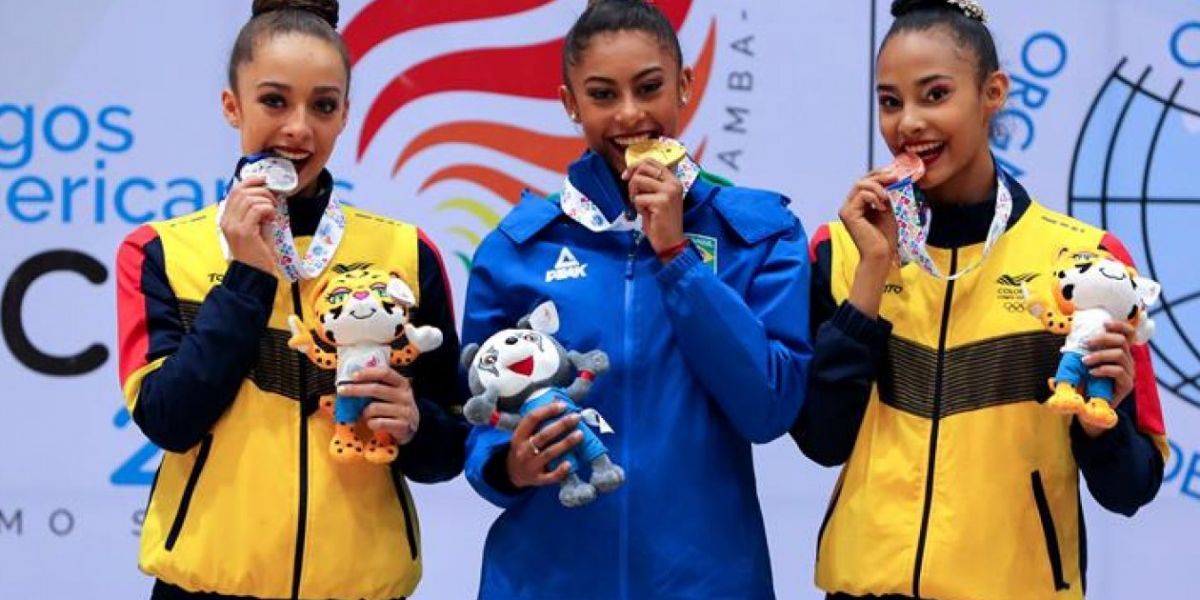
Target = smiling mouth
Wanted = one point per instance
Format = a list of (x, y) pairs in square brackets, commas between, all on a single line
[(522, 367), (928, 152), (361, 317)]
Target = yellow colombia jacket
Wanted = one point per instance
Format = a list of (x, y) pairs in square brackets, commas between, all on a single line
[(257, 507), (960, 485)]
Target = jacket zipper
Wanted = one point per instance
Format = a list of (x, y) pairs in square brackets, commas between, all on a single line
[(301, 520), (933, 430), (627, 350)]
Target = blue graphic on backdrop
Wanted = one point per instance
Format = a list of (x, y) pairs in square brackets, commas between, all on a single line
[(1136, 172)]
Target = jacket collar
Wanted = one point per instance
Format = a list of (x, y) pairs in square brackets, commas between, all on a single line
[(955, 226)]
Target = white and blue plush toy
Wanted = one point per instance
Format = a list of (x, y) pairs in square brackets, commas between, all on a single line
[(519, 370)]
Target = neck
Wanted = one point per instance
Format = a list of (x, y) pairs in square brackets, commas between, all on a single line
[(972, 185)]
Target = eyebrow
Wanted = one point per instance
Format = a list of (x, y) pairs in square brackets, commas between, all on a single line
[(609, 80), (285, 87), (887, 87)]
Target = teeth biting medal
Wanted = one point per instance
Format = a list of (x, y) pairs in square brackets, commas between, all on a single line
[(664, 151), (280, 174)]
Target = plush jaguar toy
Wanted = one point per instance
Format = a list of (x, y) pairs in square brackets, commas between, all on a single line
[(519, 370), (360, 311), (1091, 289)]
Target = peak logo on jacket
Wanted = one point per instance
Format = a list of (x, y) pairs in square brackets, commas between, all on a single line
[(566, 267)]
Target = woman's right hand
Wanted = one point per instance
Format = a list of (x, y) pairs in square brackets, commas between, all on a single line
[(531, 450), (249, 208), (868, 217)]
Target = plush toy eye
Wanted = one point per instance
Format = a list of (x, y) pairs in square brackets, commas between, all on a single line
[(380, 290), (337, 296), (530, 337), (488, 360)]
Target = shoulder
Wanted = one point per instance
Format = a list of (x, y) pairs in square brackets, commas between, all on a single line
[(531, 214), (754, 215), (358, 217), (1061, 228)]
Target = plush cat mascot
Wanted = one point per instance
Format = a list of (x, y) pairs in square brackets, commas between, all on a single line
[(360, 311), (1091, 288), (518, 370)]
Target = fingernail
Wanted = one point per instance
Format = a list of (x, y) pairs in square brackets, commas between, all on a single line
[(574, 418), (577, 436), (559, 406)]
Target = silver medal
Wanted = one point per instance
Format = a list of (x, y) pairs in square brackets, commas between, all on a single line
[(280, 173)]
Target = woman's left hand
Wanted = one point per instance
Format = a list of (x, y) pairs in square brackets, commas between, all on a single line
[(658, 196), (395, 409), (1109, 356)]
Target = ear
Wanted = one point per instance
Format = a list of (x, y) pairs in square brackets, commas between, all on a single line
[(686, 77), (544, 318), (468, 355), (1148, 290), (400, 291), (231, 109), (567, 97), (995, 92)]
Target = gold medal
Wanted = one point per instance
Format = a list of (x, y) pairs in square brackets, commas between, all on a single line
[(664, 151)]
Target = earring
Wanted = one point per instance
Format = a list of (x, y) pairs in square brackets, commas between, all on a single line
[(683, 101), (575, 116)]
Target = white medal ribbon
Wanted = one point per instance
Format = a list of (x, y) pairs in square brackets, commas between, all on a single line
[(576, 205), (913, 221), (281, 179)]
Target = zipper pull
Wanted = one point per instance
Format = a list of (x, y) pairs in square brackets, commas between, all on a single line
[(637, 238)]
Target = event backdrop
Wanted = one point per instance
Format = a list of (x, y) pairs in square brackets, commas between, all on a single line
[(109, 117)]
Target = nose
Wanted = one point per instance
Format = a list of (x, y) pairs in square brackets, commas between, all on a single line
[(629, 112), (360, 295), (297, 126), (511, 340), (912, 123)]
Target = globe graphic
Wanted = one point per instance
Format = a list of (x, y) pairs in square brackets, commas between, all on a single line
[(1136, 172)]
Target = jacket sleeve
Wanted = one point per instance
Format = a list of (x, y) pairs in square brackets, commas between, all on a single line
[(436, 452), (848, 351), (485, 314), (1123, 467), (750, 353), (177, 382)]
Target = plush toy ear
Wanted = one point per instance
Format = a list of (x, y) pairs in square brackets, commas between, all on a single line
[(400, 291), (468, 355), (1148, 290), (544, 318)]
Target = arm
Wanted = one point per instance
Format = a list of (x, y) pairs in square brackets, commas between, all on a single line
[(485, 313), (436, 451), (177, 383), (848, 351), (757, 376), (1123, 467)]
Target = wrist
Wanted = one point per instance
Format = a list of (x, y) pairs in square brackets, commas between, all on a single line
[(668, 253)]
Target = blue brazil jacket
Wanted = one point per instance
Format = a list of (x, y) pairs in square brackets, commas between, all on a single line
[(709, 354)]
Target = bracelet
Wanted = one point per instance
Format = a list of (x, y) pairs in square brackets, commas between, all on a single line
[(670, 253)]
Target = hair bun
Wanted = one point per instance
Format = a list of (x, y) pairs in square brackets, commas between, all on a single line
[(969, 8), (327, 10)]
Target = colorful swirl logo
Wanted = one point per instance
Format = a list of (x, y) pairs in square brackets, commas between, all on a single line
[(529, 72)]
